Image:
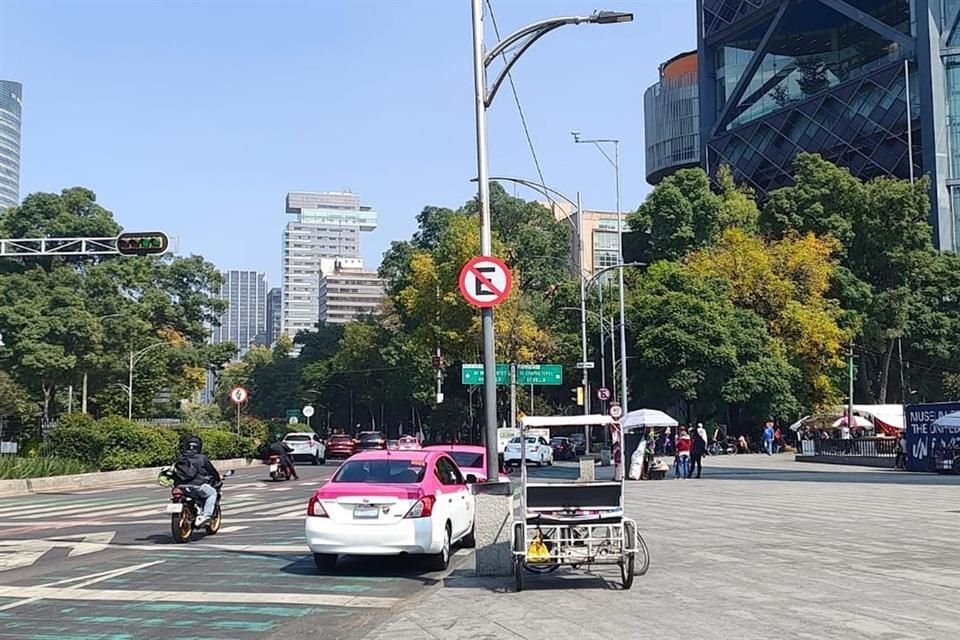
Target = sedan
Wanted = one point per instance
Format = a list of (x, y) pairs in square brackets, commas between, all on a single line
[(563, 448), (470, 459), (341, 445), (371, 440), (306, 445), (383, 503), (539, 451)]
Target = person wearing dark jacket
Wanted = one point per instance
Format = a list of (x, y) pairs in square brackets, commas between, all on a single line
[(697, 450), (282, 449), (202, 476)]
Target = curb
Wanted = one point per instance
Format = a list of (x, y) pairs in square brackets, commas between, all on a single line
[(96, 480)]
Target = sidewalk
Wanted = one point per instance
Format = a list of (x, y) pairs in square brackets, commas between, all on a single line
[(759, 548)]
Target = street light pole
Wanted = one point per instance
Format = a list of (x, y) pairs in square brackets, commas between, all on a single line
[(134, 359), (623, 332), (524, 39)]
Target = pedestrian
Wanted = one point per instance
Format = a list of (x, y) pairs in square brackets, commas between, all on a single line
[(777, 440), (768, 438), (684, 445), (901, 450), (697, 451)]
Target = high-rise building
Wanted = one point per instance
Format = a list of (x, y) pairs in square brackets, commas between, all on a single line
[(244, 323), (671, 118), (274, 310), (600, 247), (10, 108), (326, 225), (779, 77), (347, 290)]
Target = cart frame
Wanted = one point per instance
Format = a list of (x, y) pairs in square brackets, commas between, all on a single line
[(580, 523)]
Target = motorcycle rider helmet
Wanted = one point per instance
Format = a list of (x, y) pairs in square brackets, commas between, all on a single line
[(193, 444)]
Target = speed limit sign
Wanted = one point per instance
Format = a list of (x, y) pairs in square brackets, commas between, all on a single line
[(616, 411), (238, 395)]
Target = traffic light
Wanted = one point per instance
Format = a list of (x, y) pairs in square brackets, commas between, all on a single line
[(142, 244), (577, 396)]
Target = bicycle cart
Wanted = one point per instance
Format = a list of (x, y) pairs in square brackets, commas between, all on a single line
[(574, 523)]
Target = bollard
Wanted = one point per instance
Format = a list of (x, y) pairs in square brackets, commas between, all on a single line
[(492, 524), (587, 469)]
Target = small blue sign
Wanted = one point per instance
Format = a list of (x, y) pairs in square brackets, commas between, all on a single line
[(924, 438)]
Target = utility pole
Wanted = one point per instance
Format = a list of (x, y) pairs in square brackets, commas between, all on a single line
[(850, 394)]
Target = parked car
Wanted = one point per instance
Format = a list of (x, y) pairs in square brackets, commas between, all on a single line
[(471, 459), (539, 451), (341, 445), (563, 448), (371, 440), (381, 503), (579, 444), (306, 446)]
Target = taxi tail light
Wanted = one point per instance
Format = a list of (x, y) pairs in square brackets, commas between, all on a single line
[(422, 509), (314, 508)]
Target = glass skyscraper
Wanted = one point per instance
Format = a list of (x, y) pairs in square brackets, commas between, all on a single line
[(244, 323), (780, 77), (10, 108)]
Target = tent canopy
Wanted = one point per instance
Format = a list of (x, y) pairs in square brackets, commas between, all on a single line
[(949, 420), (566, 421), (647, 418)]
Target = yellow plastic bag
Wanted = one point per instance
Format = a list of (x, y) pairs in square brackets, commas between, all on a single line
[(537, 551)]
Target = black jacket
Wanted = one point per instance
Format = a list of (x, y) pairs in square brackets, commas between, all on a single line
[(208, 473), (279, 449)]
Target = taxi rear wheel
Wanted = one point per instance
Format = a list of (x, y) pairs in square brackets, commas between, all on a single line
[(440, 561)]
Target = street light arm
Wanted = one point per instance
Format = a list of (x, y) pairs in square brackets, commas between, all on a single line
[(611, 268), (492, 92), (536, 186), (135, 358), (597, 142), (536, 29)]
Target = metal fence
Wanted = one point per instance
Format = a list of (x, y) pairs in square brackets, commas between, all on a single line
[(857, 447)]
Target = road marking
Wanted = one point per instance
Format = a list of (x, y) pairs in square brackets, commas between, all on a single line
[(232, 529), (193, 597), (23, 553), (86, 581), (267, 507)]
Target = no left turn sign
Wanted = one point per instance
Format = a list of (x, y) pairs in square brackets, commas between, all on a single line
[(485, 281)]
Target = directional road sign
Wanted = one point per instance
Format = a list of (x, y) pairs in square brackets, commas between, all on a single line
[(586, 365), (485, 281), (527, 374)]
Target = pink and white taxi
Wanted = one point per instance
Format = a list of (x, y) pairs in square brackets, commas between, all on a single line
[(382, 503)]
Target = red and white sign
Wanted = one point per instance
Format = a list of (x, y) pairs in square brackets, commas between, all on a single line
[(485, 281), (603, 394), (616, 411), (239, 395)]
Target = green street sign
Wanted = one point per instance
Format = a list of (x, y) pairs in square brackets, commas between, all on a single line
[(527, 374), (293, 413), (472, 374), (540, 374)]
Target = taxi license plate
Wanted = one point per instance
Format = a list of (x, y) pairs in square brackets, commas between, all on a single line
[(365, 512), (174, 507)]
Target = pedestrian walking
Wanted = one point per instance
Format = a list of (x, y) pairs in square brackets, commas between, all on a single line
[(768, 438), (698, 450), (684, 445), (901, 450)]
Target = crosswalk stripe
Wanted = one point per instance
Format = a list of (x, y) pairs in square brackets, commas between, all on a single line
[(268, 507), (68, 507)]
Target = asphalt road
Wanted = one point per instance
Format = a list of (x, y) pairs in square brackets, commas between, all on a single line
[(101, 565)]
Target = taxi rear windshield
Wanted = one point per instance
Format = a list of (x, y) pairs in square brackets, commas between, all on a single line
[(381, 471)]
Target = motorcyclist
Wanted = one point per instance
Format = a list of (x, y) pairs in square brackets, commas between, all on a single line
[(193, 469), (283, 450)]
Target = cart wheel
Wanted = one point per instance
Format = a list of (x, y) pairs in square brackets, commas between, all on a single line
[(641, 549), (541, 569), (518, 574), (626, 571)]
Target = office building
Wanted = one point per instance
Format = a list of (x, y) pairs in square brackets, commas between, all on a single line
[(347, 290), (600, 237), (671, 118), (779, 77), (274, 310), (10, 109), (325, 225), (244, 323)]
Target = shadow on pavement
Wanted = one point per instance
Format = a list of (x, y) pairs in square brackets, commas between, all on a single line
[(604, 579), (397, 567), (873, 476)]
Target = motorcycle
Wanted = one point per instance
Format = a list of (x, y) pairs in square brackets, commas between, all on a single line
[(279, 471), (185, 506), (727, 448)]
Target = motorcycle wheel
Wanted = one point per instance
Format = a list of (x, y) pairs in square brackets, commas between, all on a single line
[(214, 525), (181, 525)]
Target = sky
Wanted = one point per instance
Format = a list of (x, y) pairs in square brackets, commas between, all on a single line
[(196, 118)]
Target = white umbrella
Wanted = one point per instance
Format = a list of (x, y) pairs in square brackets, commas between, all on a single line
[(799, 423), (858, 421), (647, 418), (949, 420)]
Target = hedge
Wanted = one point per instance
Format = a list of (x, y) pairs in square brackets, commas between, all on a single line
[(20, 468), (114, 443)]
